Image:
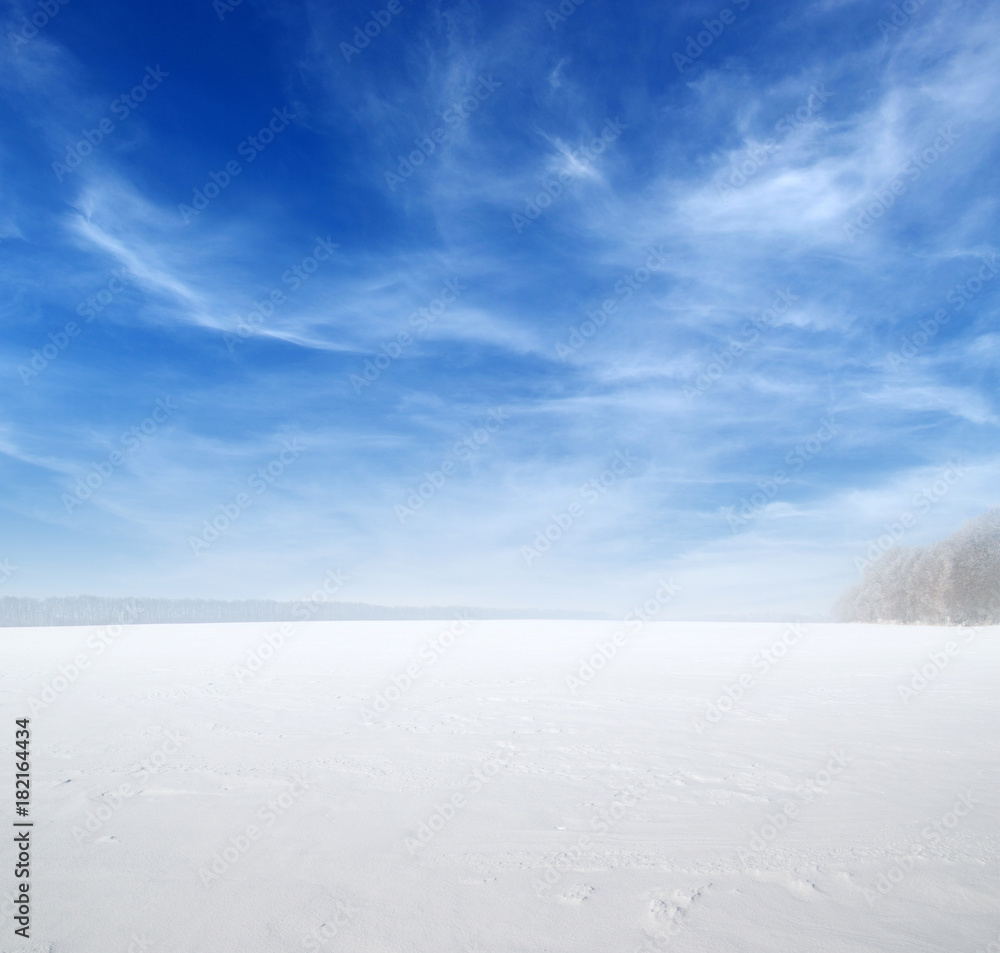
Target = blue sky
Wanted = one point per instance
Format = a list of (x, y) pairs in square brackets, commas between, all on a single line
[(504, 306)]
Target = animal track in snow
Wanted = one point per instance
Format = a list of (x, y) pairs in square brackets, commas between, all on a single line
[(668, 915), (577, 893)]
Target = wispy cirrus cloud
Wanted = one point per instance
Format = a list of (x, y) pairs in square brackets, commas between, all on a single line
[(756, 289)]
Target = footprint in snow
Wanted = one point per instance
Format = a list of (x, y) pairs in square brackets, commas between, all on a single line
[(667, 914), (577, 893)]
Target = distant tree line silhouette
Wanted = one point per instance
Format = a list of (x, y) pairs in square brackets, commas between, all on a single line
[(98, 610), (953, 582)]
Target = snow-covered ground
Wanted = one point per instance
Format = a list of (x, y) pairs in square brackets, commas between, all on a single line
[(185, 804)]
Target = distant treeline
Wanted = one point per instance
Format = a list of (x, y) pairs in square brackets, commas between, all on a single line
[(97, 610), (956, 581)]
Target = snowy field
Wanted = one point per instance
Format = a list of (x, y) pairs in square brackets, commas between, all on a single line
[(411, 787)]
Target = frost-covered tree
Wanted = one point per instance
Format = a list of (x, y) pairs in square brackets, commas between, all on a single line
[(956, 581)]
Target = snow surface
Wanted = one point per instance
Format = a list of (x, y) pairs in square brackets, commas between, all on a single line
[(649, 822)]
